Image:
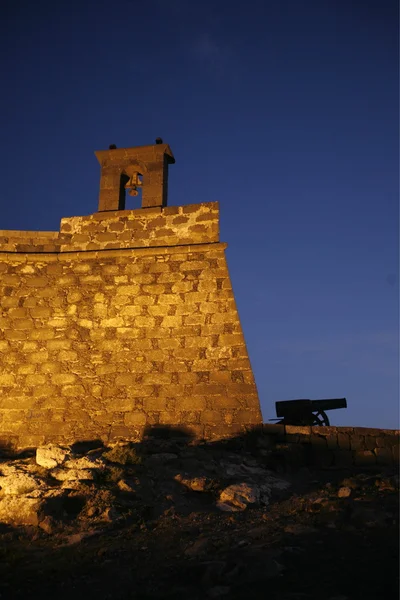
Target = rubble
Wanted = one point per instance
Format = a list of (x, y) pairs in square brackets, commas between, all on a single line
[(212, 521)]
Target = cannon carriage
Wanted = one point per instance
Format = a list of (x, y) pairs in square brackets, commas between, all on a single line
[(306, 412)]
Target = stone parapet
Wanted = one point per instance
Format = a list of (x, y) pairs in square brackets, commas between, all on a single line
[(142, 227), (336, 447)]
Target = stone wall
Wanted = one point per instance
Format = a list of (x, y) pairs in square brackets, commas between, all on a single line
[(145, 227), (122, 320), (331, 446)]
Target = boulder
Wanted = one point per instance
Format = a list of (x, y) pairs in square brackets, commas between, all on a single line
[(20, 510), (128, 484), (344, 492), (238, 496), (85, 462), (17, 482), (195, 484), (51, 456), (242, 470), (73, 474)]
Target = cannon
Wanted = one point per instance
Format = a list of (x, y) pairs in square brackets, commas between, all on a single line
[(306, 412)]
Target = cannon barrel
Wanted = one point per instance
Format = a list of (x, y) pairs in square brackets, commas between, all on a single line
[(329, 404), (285, 408)]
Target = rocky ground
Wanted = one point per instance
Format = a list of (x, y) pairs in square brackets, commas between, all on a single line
[(172, 519)]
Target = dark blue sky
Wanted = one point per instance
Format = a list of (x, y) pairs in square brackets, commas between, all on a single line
[(284, 111)]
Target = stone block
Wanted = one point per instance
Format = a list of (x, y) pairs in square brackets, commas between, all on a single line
[(154, 404), (332, 441), (36, 379), (248, 417), (274, 429), (292, 438), (221, 377), (383, 456), (190, 417), (50, 367), (211, 417), (321, 456), (318, 441), (19, 402), (73, 391), (299, 430), (135, 418), (123, 432), (123, 404), (169, 417), (370, 442), (364, 458), (7, 379), (233, 339), (68, 356), (24, 324), (12, 334), (357, 442), (191, 403), (42, 334), (343, 458), (26, 369), (343, 441)]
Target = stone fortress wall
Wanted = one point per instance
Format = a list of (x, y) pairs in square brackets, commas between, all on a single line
[(123, 319), (126, 319)]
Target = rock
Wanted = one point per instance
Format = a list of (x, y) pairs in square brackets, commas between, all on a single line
[(47, 524), (242, 470), (86, 462), (72, 484), (344, 492), (128, 485), (238, 496), (386, 484), (77, 538), (73, 474), (196, 484), (16, 482), (20, 510), (51, 456), (110, 515)]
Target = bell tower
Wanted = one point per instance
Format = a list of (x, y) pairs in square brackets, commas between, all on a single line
[(132, 169)]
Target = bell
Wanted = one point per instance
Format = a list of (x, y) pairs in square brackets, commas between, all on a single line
[(133, 184)]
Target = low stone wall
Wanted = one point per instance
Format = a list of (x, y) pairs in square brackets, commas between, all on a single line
[(332, 446), (138, 228)]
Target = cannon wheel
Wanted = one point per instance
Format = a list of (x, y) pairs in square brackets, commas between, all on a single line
[(320, 418)]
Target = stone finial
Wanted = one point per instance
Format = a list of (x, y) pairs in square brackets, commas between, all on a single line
[(132, 169)]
